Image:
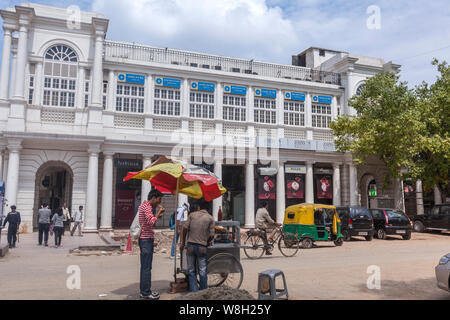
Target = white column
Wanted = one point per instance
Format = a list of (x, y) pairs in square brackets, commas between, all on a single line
[(97, 77), (146, 185), (309, 190), (419, 197), (308, 116), (12, 179), (21, 63), (6, 55), (2, 153), (92, 189), (437, 195), (353, 185), (111, 89), (249, 195), (107, 189), (5, 166), (38, 83), (80, 89), (281, 195), (149, 93), (217, 202), (336, 185), (14, 66)]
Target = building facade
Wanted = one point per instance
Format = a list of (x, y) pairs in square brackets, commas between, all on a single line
[(77, 112)]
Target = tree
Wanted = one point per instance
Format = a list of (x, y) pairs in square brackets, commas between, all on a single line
[(408, 129)]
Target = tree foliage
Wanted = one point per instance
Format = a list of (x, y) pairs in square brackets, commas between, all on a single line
[(408, 129)]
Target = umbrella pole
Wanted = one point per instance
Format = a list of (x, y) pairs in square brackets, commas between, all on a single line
[(175, 235)]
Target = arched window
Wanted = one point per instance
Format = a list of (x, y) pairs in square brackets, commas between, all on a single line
[(359, 89), (60, 76)]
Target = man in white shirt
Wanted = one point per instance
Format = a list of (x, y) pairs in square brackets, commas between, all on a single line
[(78, 221), (182, 212)]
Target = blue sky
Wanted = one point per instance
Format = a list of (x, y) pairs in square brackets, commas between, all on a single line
[(411, 34)]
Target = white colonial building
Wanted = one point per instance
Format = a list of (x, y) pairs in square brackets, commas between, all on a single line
[(77, 112)]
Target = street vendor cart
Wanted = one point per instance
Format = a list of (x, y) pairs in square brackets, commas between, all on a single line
[(224, 267)]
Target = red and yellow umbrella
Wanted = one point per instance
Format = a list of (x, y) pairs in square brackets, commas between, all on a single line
[(174, 176)]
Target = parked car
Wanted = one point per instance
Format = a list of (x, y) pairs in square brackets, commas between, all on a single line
[(438, 218), (355, 221), (442, 271), (391, 222)]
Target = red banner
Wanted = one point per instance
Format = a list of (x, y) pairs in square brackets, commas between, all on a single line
[(324, 187), (125, 200), (295, 186), (266, 187)]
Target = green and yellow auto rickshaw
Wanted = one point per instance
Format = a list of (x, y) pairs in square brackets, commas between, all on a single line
[(313, 222)]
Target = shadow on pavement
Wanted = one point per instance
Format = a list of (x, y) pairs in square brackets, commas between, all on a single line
[(131, 292), (421, 289)]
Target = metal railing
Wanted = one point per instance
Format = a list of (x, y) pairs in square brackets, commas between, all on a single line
[(131, 51)]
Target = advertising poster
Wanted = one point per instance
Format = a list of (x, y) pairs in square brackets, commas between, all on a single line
[(324, 186), (266, 187), (295, 186), (125, 200)]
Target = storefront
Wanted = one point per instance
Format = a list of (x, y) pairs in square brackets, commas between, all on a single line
[(295, 177), (127, 194), (323, 185)]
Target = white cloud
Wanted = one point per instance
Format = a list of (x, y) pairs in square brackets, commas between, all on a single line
[(241, 28)]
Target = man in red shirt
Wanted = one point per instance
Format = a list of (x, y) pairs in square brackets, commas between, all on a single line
[(147, 220)]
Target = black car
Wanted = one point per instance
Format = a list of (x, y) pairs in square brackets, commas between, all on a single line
[(391, 222), (438, 218), (355, 221)]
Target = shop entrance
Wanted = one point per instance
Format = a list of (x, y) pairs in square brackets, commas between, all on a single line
[(53, 185), (233, 203), (323, 185)]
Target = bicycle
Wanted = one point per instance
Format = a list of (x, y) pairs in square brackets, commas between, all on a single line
[(255, 244)]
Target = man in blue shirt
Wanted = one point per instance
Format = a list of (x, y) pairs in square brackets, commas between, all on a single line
[(13, 218)]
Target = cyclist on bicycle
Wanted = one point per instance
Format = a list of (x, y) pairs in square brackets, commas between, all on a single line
[(264, 222)]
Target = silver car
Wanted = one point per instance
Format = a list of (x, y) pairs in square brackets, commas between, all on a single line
[(443, 273)]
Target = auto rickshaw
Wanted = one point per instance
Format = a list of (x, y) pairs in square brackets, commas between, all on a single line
[(313, 222)]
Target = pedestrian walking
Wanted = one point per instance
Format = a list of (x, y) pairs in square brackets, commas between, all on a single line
[(13, 220), (181, 213), (44, 224), (197, 234), (77, 221), (67, 218), (58, 226), (147, 219)]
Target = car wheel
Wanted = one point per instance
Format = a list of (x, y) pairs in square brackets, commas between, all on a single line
[(407, 236), (418, 226), (307, 243), (381, 234), (346, 235), (339, 242), (369, 237)]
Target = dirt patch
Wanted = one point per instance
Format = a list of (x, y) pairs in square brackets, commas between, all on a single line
[(218, 293), (162, 243)]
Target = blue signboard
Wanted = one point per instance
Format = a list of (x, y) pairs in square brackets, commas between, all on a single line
[(168, 82), (229, 88), (131, 78), (322, 99), (295, 96), (203, 86), (266, 93)]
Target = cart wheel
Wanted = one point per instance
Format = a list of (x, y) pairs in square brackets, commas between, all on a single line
[(254, 247), (222, 266), (307, 243), (288, 244), (339, 242)]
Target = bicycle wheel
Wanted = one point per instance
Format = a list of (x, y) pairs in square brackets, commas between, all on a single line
[(288, 244), (254, 247)]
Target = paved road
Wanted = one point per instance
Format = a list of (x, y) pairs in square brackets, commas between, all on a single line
[(326, 272)]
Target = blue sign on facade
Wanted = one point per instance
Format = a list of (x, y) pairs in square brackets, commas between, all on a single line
[(322, 99), (295, 96), (266, 93), (168, 82), (203, 86), (131, 78), (235, 89)]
